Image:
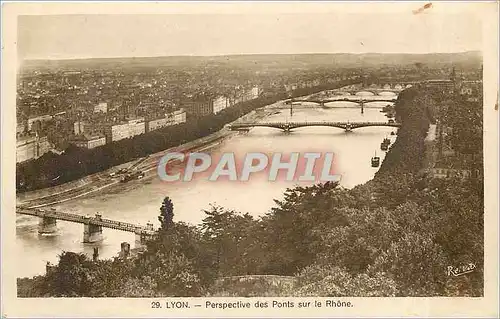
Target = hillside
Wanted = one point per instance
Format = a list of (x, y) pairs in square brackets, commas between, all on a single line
[(278, 61)]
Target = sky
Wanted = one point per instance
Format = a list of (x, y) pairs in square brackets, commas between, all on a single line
[(333, 31)]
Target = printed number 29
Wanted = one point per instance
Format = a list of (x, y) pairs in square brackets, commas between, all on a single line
[(155, 304)]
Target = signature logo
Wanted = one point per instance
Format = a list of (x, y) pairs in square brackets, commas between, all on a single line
[(461, 270)]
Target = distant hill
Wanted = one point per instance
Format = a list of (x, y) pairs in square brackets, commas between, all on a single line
[(274, 61)]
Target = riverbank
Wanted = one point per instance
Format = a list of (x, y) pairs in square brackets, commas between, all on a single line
[(100, 182)]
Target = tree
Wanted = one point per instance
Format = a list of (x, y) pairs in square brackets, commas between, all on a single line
[(292, 227), (31, 287), (166, 214), (417, 264), (72, 277), (139, 287), (230, 237), (173, 273)]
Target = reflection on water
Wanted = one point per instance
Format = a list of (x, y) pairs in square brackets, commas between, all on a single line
[(139, 202)]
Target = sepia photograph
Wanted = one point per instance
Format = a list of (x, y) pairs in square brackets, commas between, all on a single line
[(224, 155)]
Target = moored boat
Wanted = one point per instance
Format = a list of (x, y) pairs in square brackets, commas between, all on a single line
[(375, 161)]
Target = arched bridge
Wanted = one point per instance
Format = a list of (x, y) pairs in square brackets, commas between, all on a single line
[(288, 126), (378, 88), (347, 99), (374, 91), (92, 225)]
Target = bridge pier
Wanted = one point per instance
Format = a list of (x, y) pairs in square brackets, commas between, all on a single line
[(141, 238), (92, 233), (47, 225), (286, 128)]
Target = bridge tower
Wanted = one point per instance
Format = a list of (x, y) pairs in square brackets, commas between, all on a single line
[(142, 237), (348, 128), (92, 233), (140, 240), (47, 225)]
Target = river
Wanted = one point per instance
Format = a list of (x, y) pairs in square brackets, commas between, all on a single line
[(139, 201)]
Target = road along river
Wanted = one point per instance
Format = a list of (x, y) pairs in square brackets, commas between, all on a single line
[(139, 201)]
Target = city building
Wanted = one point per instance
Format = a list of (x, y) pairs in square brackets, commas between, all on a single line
[(250, 94), (125, 130), (473, 90), (20, 127), (31, 147), (136, 126), (220, 103), (80, 127), (290, 87), (445, 86), (71, 78), (231, 100), (59, 114), (38, 119), (157, 124), (101, 107), (199, 107), (455, 173), (465, 90), (172, 118), (178, 116), (254, 92), (88, 142)]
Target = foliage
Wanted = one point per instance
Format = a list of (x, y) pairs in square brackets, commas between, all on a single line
[(417, 264), (331, 281), (31, 287), (139, 287), (72, 277), (166, 217), (176, 261)]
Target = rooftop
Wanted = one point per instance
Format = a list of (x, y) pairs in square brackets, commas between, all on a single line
[(87, 137)]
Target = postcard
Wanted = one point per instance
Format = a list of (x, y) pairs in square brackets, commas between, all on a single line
[(249, 159)]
